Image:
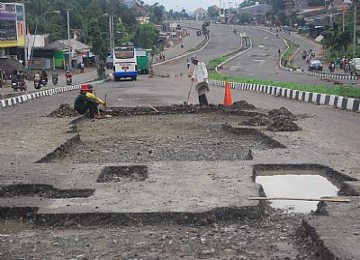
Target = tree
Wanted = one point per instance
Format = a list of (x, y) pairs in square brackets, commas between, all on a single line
[(146, 36), (213, 13)]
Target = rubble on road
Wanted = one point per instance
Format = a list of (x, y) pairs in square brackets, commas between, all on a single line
[(65, 110), (277, 120), (243, 105), (282, 125)]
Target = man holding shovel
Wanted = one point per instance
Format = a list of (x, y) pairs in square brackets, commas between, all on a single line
[(200, 74)]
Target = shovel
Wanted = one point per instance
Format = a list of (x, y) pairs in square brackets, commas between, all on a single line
[(187, 101)]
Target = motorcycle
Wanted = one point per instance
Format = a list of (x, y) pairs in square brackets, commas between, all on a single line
[(15, 84), (22, 85), (38, 84), (68, 80), (55, 80)]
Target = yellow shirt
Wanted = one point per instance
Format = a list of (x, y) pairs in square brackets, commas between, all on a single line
[(92, 96)]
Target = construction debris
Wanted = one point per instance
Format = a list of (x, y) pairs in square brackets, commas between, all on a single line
[(65, 110)]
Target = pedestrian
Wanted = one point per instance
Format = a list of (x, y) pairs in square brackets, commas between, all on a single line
[(188, 63), (200, 74), (279, 52), (87, 102)]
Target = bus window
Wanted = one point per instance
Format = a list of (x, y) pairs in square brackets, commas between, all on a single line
[(124, 54)]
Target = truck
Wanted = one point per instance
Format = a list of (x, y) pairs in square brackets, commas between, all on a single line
[(143, 62)]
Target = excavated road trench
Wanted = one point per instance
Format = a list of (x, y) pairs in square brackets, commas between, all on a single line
[(143, 150)]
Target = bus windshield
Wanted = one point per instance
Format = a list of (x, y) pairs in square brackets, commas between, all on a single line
[(124, 54)]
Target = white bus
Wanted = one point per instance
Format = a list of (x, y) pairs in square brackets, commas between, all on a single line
[(124, 61)]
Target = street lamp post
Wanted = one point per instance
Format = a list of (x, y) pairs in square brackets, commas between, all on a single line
[(37, 23)]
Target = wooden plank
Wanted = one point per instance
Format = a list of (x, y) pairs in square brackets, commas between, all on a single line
[(326, 199)]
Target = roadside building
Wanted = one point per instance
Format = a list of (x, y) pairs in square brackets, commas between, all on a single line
[(200, 14), (140, 12), (257, 12), (12, 30), (74, 51)]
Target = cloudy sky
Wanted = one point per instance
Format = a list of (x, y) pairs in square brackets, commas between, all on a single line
[(188, 5)]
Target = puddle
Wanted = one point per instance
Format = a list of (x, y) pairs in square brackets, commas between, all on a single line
[(10, 228), (291, 184)]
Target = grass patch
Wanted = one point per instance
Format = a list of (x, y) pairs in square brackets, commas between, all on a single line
[(290, 52), (215, 62), (345, 91)]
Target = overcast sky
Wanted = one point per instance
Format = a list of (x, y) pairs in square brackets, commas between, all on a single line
[(189, 5)]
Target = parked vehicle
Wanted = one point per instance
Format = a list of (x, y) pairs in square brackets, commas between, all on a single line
[(355, 66), (142, 59), (198, 33), (125, 65), (315, 65)]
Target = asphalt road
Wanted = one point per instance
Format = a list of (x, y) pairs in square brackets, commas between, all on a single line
[(262, 61), (329, 136)]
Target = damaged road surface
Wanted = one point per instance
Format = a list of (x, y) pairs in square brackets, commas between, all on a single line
[(168, 183), (165, 181)]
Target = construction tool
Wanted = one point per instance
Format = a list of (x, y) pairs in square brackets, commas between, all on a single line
[(326, 199), (187, 101)]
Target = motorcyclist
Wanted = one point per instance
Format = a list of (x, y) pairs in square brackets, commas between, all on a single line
[(21, 77), (36, 76), (54, 76), (68, 76), (14, 80), (44, 76)]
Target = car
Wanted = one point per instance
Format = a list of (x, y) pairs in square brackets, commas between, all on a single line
[(198, 33), (315, 65)]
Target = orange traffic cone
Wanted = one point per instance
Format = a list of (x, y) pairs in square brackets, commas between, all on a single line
[(227, 95)]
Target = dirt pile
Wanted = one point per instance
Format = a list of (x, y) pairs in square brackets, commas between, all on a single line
[(277, 120), (65, 110), (258, 120), (282, 120), (242, 105)]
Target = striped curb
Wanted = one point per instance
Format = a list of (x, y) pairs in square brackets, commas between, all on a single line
[(351, 104), (23, 98), (332, 76)]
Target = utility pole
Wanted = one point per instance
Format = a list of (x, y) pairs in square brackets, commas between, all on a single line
[(69, 42), (111, 32), (25, 37), (354, 40)]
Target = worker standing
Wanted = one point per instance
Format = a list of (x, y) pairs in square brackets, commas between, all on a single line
[(200, 74)]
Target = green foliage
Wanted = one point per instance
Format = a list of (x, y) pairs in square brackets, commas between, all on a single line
[(215, 62), (146, 36), (87, 18), (290, 51)]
